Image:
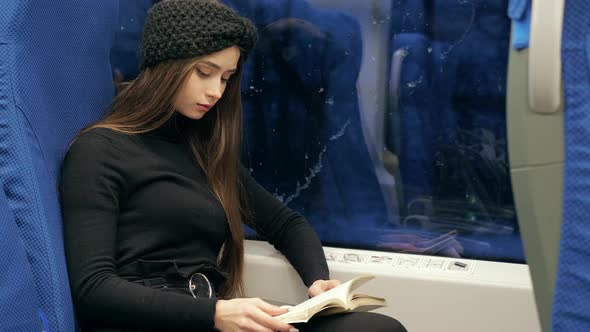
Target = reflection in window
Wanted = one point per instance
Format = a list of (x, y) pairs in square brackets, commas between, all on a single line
[(383, 122), (446, 125)]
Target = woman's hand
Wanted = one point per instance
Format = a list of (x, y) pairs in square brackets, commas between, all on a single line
[(320, 286), (249, 314)]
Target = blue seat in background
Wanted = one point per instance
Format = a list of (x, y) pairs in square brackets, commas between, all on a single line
[(55, 78), (303, 134), (125, 50), (447, 122), (453, 75)]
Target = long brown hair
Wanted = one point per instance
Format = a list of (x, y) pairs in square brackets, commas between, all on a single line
[(146, 103)]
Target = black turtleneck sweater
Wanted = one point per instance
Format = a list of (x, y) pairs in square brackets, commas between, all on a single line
[(129, 199)]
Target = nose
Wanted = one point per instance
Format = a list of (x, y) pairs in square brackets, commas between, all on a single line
[(214, 91)]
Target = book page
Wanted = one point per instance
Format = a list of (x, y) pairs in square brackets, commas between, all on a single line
[(339, 293), (359, 281), (366, 302), (336, 296)]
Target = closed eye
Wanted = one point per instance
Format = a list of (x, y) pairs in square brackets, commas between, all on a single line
[(202, 73)]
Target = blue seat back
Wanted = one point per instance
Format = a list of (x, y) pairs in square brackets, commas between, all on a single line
[(56, 78), (572, 290), (18, 297)]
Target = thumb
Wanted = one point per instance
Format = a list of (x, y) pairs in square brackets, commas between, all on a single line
[(320, 286), (331, 284)]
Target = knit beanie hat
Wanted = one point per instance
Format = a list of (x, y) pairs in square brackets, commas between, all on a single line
[(180, 29)]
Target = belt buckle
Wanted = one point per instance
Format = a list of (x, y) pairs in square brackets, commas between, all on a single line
[(200, 286)]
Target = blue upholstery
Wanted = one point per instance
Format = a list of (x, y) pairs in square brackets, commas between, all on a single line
[(18, 297), (572, 290), (55, 76)]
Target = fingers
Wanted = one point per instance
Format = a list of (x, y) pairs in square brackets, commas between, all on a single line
[(269, 308), (320, 286), (267, 321), (314, 290), (255, 327), (331, 284), (248, 315)]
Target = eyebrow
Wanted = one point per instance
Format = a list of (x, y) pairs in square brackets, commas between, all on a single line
[(216, 66)]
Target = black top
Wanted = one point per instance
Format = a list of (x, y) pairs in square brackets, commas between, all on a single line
[(142, 199)]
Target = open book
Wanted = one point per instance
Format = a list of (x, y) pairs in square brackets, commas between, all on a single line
[(336, 300)]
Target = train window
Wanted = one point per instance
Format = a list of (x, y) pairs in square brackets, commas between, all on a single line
[(382, 122)]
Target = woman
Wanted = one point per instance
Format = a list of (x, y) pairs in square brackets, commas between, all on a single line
[(154, 195)]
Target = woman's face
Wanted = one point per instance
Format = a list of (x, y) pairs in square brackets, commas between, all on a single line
[(206, 83)]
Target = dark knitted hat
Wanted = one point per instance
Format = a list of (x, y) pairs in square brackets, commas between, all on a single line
[(180, 29)]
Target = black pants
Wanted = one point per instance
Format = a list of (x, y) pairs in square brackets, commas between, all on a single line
[(356, 321), (350, 322)]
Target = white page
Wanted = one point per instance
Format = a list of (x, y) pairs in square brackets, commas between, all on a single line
[(340, 292)]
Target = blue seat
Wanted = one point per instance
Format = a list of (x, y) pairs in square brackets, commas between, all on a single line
[(572, 289), (19, 302), (55, 78)]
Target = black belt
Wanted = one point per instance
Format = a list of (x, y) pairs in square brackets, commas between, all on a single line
[(200, 281), (198, 284)]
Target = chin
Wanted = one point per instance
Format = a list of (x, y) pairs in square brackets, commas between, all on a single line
[(193, 115)]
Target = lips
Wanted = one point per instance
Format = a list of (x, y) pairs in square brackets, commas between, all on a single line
[(204, 107)]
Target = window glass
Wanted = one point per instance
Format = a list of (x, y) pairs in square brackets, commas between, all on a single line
[(382, 122)]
